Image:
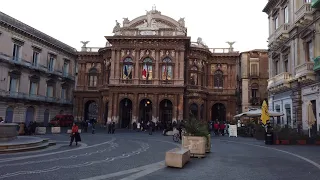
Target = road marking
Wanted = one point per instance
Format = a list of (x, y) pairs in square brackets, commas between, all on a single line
[(53, 153), (279, 150), (129, 171), (145, 172), (143, 147)]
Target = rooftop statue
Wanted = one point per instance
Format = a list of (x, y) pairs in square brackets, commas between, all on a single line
[(116, 27)]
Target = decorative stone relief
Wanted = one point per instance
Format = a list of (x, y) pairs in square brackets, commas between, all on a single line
[(128, 52), (141, 53), (153, 53), (147, 52), (167, 53), (122, 53), (133, 53), (161, 53), (173, 53)]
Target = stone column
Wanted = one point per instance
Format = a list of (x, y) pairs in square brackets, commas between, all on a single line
[(157, 70), (113, 61), (117, 61), (135, 107), (181, 67), (176, 65), (110, 107), (136, 67), (155, 108)]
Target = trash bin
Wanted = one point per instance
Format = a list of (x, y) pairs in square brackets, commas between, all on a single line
[(269, 138)]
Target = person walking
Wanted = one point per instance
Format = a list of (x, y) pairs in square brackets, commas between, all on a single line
[(75, 136), (222, 126), (113, 126), (216, 128), (1, 120)]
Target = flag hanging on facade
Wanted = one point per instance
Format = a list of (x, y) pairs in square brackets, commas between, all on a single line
[(264, 113), (144, 72)]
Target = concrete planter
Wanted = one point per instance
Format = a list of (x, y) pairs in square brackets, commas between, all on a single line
[(69, 131), (41, 130), (55, 130), (8, 131), (208, 144), (196, 145)]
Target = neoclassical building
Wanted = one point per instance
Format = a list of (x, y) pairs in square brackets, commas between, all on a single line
[(294, 53), (37, 73), (150, 70)]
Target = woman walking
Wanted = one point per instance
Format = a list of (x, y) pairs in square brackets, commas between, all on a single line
[(75, 136)]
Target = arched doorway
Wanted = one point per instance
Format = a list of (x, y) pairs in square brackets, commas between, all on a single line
[(91, 110), (9, 115), (218, 112), (46, 117), (29, 115), (125, 111), (165, 111), (194, 110), (145, 110)]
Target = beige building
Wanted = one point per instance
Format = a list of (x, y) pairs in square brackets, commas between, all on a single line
[(36, 73), (252, 78), (294, 46)]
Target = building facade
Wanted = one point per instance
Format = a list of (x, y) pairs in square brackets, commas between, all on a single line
[(36, 73), (150, 70), (294, 45), (253, 78)]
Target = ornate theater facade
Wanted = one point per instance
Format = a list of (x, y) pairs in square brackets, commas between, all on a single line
[(150, 70)]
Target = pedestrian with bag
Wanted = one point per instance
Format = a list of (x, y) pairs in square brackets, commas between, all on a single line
[(75, 135)]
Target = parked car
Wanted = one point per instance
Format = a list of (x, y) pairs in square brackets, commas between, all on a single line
[(62, 121)]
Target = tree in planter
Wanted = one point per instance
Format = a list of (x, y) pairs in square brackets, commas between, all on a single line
[(196, 137)]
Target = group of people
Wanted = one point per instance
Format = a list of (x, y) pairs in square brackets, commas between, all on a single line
[(219, 128), (144, 126)]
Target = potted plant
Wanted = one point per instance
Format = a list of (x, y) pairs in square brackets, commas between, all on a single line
[(197, 137)]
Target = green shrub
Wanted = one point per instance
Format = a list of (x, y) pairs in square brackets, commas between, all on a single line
[(196, 127)]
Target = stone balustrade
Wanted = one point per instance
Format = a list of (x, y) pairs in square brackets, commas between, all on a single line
[(280, 80), (305, 71)]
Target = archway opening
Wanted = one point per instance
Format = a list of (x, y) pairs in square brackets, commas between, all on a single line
[(29, 115), (194, 110), (9, 115), (145, 110), (218, 112), (125, 111), (46, 117), (165, 112), (91, 110)]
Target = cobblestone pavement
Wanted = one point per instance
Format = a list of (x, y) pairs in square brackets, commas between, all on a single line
[(136, 155)]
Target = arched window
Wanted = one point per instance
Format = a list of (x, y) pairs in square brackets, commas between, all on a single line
[(127, 68), (166, 72), (194, 76), (9, 115), (147, 69), (93, 77), (218, 79)]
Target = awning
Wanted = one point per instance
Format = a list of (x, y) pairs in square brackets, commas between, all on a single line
[(257, 113)]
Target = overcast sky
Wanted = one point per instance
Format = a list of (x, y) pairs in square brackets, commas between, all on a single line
[(216, 21)]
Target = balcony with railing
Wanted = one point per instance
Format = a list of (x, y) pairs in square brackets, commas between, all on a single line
[(255, 101), (316, 66), (305, 72), (282, 33), (37, 67), (280, 81), (32, 97), (304, 15)]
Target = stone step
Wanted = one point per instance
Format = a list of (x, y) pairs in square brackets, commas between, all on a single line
[(29, 148)]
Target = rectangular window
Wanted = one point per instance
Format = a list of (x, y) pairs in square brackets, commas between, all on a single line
[(49, 91), (276, 70), (310, 51), (65, 68), (276, 23), (254, 70), (307, 1), (16, 52), (51, 63), (35, 58), (286, 15), (63, 93), (286, 62), (13, 87), (33, 88)]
